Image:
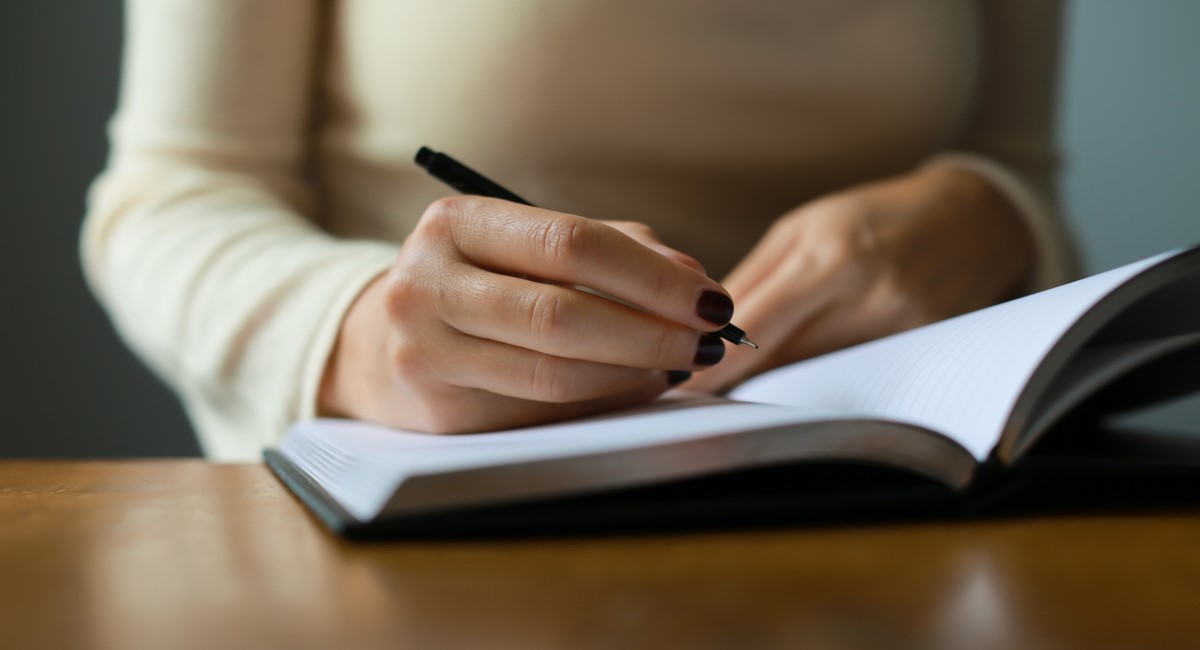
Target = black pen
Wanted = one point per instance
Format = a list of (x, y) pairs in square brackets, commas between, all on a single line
[(468, 181)]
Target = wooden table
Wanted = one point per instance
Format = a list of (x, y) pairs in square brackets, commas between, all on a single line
[(180, 554)]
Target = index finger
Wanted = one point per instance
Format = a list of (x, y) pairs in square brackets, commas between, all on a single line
[(558, 247)]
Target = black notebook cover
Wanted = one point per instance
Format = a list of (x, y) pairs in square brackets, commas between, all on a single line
[(1111, 472), (758, 497)]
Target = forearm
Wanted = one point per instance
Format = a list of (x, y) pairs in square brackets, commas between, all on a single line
[(199, 238), (991, 232), (227, 292), (1030, 200)]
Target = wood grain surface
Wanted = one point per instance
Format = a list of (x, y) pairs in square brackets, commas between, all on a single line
[(188, 554)]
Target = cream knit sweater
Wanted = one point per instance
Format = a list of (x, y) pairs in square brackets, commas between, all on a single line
[(261, 170)]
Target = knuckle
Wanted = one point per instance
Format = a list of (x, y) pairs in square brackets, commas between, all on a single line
[(688, 260), (445, 209), (839, 258), (645, 229), (662, 281), (546, 314), (550, 381), (426, 282), (445, 215), (669, 350), (896, 309), (562, 240), (842, 245), (408, 363), (401, 293), (797, 266), (437, 216)]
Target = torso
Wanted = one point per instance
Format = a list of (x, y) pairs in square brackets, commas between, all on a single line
[(705, 120)]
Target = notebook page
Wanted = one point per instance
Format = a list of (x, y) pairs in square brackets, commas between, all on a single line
[(960, 376)]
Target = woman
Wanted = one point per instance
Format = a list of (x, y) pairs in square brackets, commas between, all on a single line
[(848, 169)]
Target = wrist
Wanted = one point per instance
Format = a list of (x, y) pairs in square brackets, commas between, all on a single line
[(998, 231), (1029, 191), (342, 382)]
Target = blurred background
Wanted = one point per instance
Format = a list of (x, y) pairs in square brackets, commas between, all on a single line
[(1129, 124)]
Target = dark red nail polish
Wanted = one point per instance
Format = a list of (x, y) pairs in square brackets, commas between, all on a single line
[(715, 308), (676, 377), (710, 351)]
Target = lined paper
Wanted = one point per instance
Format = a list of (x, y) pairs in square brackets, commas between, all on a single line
[(960, 376)]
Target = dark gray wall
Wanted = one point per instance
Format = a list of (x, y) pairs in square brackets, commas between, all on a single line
[(69, 388)]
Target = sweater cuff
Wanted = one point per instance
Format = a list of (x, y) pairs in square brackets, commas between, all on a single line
[(1054, 264), (373, 260)]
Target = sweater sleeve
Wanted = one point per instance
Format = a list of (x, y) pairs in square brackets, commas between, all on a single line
[(200, 238), (1009, 137)]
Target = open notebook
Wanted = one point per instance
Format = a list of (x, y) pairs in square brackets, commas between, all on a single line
[(937, 401)]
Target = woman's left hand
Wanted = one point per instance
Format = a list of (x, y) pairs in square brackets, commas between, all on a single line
[(871, 261)]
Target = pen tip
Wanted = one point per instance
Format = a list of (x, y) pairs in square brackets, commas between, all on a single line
[(748, 342)]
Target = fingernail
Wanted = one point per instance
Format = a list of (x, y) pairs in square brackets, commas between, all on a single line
[(676, 377), (710, 351), (715, 308)]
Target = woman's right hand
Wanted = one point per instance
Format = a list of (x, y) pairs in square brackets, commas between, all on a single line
[(477, 326)]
